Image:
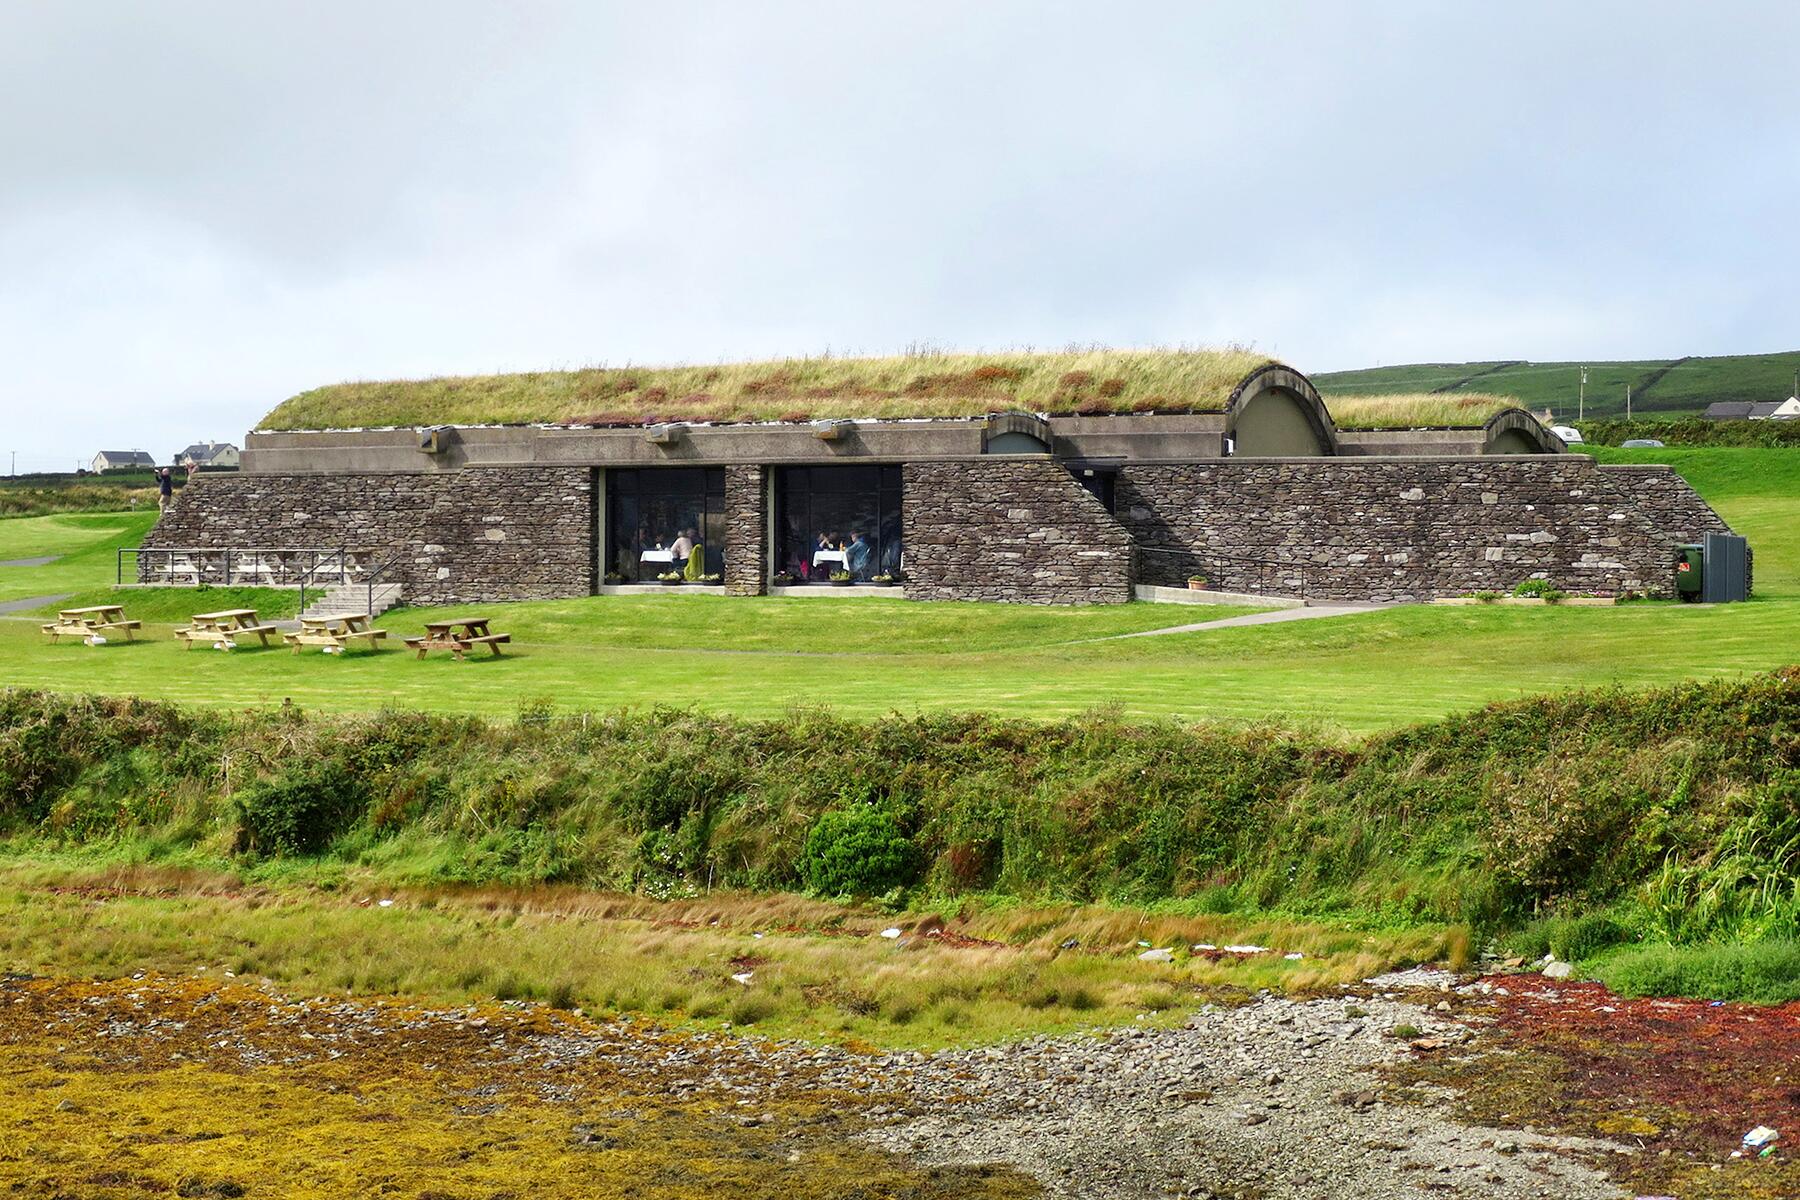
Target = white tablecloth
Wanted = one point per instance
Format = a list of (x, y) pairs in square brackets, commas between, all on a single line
[(665, 556), (821, 557)]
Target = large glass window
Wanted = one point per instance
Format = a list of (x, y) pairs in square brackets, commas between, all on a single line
[(657, 517), (830, 519)]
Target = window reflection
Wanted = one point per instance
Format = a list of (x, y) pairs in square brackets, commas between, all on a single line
[(838, 520), (665, 519)]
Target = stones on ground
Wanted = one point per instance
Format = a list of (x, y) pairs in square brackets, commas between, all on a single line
[(1558, 970)]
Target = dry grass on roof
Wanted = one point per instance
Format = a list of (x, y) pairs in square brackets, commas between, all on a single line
[(1409, 410), (796, 389)]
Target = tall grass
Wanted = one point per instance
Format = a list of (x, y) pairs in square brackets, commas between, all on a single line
[(1408, 410), (921, 383)]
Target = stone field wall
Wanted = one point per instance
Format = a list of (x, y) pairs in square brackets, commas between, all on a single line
[(1021, 529), (489, 534), (1012, 529), (1406, 529)]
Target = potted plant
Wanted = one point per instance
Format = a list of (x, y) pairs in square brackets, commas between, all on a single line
[(715, 578), (882, 580), (613, 577), (1196, 583), (842, 579), (671, 579), (783, 579)]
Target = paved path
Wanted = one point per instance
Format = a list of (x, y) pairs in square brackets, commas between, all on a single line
[(1262, 618), (31, 602), (30, 562)]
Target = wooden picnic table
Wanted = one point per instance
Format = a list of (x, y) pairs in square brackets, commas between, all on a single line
[(91, 623), (337, 630), (458, 635), (224, 627)]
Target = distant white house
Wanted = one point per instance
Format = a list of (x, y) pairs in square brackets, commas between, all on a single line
[(216, 455), (1743, 410), (121, 460)]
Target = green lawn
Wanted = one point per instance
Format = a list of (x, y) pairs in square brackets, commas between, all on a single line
[(870, 656), (87, 543)]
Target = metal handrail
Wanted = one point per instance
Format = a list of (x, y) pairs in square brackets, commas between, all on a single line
[(199, 560), (1264, 566), (374, 576)]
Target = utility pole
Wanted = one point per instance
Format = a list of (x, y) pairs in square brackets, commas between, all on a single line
[(1581, 397), (1628, 402)]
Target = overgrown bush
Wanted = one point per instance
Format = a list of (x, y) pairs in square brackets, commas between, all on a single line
[(858, 851), (1693, 431), (301, 810), (1676, 810)]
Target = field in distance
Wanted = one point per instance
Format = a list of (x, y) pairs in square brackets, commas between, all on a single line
[(1659, 387)]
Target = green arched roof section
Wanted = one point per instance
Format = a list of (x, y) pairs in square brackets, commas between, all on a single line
[(1515, 431), (1277, 413)]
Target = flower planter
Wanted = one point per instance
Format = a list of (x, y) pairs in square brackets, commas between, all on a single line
[(671, 582), (842, 582), (1196, 585)]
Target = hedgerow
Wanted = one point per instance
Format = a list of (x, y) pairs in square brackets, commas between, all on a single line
[(1676, 811)]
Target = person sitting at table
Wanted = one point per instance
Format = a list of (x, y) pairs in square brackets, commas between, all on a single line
[(684, 545), (858, 557)]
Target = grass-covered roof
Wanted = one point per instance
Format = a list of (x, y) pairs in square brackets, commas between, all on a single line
[(796, 389), (1416, 410)]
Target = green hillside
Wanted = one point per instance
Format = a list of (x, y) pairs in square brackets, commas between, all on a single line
[(1662, 387)]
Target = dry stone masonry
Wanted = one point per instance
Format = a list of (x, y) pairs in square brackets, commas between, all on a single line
[(1404, 528), (1013, 529), (746, 530), (489, 534)]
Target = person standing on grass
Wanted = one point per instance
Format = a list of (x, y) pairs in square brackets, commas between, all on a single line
[(165, 490)]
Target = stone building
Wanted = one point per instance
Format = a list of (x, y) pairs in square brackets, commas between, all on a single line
[(1258, 491)]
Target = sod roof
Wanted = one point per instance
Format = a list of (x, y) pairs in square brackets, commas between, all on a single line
[(798, 389)]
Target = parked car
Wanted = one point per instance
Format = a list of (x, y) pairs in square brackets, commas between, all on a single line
[(1641, 444), (1570, 435)]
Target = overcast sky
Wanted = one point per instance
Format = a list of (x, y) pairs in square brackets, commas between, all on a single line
[(206, 207)]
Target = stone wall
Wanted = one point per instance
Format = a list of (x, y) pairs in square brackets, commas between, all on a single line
[(1012, 529), (1401, 529), (480, 535), (746, 530)]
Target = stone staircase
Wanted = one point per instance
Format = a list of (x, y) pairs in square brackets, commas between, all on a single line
[(354, 598)]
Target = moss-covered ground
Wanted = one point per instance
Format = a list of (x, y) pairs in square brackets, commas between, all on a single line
[(160, 1086)]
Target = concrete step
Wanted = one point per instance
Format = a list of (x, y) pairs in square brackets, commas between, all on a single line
[(354, 598)]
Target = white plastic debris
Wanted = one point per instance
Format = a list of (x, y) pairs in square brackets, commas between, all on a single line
[(1199, 946), (1759, 1137), (96, 640), (890, 934), (1246, 949), (1160, 954), (756, 935), (386, 903), (744, 977), (221, 645), (1296, 956)]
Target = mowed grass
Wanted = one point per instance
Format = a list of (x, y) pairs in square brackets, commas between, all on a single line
[(1362, 672), (85, 543)]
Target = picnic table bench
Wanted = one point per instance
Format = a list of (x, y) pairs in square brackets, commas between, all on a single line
[(458, 636), (335, 632), (91, 623), (224, 628)]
